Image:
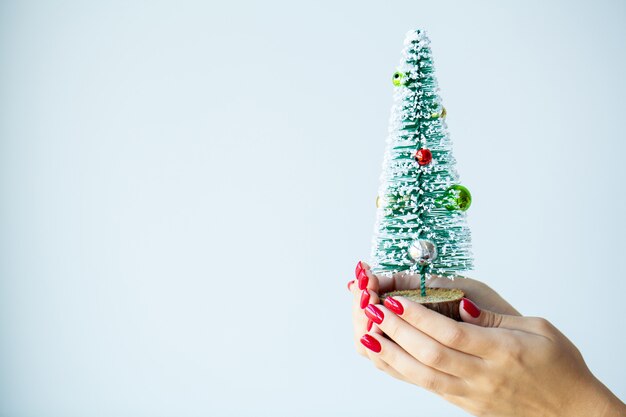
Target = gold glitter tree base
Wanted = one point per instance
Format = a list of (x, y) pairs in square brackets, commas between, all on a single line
[(445, 301)]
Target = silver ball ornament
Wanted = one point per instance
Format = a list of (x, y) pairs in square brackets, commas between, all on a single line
[(423, 251)]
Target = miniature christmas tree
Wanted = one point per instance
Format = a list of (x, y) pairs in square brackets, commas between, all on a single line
[(421, 224)]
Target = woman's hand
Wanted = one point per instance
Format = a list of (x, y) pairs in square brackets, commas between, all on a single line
[(493, 365), (366, 290)]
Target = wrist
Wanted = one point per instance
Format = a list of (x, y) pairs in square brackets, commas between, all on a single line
[(597, 401), (609, 405)]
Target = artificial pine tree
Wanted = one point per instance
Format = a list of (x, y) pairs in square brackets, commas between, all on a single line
[(421, 224)]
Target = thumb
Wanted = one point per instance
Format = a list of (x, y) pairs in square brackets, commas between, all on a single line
[(471, 313)]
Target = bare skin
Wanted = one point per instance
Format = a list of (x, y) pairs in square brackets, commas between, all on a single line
[(498, 364)]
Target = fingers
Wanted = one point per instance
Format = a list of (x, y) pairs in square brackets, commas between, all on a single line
[(385, 367), (463, 337), (422, 347), (360, 299), (363, 273), (471, 313), (360, 324), (462, 283), (364, 278), (477, 291), (387, 283), (411, 370), (378, 362), (369, 292)]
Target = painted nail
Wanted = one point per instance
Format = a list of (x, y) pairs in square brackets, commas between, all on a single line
[(350, 284), (365, 298), (359, 268), (371, 343), (394, 305), (369, 325), (363, 280), (470, 307), (374, 313)]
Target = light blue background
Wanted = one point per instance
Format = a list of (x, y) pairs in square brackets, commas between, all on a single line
[(185, 188)]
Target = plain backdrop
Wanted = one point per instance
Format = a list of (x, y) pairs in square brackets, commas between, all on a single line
[(186, 187)]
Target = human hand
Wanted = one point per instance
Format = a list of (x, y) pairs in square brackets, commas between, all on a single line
[(490, 365), (366, 286), (372, 285)]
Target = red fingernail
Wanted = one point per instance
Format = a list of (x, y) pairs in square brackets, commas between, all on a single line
[(350, 284), (394, 305), (363, 279), (471, 308), (369, 325), (374, 313), (359, 268), (365, 298), (371, 343)]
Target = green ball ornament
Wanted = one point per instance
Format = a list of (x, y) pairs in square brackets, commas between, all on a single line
[(457, 197), (441, 115), (398, 78)]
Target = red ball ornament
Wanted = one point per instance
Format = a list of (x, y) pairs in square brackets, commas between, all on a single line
[(423, 156)]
